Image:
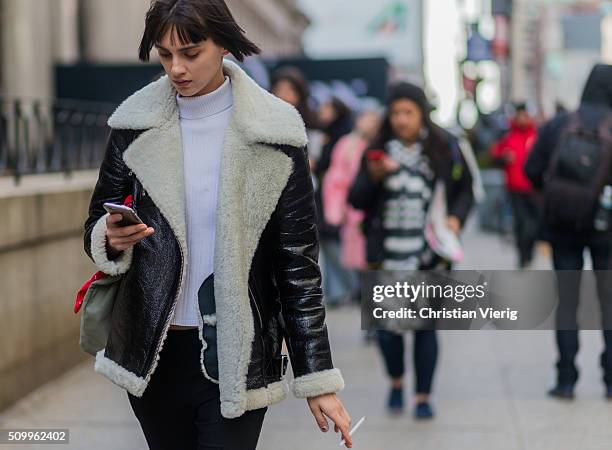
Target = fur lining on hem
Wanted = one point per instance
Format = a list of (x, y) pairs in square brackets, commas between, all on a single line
[(135, 385), (318, 383), (209, 319), (201, 324), (244, 208), (98, 251), (256, 399), (129, 381)]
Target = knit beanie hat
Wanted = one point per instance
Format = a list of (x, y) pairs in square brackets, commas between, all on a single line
[(409, 91)]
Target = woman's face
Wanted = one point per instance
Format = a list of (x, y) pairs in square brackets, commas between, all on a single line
[(284, 90), (406, 119), (367, 124), (327, 113), (194, 68)]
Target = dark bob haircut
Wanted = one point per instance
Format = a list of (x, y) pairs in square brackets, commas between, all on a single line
[(195, 21)]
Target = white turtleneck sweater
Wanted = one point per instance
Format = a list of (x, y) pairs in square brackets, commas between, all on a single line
[(203, 120)]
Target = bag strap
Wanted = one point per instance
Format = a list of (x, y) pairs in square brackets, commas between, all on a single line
[(605, 132), (605, 129), (571, 127), (574, 124)]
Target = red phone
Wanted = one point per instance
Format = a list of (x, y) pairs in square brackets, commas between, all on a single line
[(376, 155)]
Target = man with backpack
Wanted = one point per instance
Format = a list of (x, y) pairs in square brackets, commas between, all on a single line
[(571, 162)]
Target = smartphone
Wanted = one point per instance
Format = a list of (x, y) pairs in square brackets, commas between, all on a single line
[(376, 155), (129, 215)]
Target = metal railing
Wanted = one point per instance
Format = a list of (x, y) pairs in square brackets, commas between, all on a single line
[(55, 135)]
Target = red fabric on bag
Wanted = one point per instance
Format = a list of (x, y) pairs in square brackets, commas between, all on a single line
[(129, 200), (80, 296), (81, 293)]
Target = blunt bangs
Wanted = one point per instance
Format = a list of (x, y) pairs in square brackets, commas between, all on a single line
[(194, 21)]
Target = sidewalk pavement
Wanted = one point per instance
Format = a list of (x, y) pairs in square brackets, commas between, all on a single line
[(489, 393)]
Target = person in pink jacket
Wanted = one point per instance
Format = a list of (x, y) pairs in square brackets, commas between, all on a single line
[(345, 162)]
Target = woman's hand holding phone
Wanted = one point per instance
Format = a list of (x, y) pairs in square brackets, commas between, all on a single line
[(380, 165), (121, 238)]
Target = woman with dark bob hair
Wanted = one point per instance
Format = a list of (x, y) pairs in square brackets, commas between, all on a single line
[(224, 265)]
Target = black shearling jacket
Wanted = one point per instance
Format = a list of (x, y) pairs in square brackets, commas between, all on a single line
[(267, 280)]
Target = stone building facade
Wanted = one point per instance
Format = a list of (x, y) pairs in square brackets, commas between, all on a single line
[(37, 34)]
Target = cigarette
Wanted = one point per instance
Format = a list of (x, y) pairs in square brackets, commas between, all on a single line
[(357, 425)]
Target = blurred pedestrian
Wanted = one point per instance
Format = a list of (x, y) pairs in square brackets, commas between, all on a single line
[(211, 161), (394, 187), (290, 84), (511, 152), (571, 163), (336, 120), (345, 163)]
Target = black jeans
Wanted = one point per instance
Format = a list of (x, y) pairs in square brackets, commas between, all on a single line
[(525, 213), (425, 354), (568, 256), (180, 409)]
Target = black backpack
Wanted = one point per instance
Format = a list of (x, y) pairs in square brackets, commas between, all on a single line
[(579, 168)]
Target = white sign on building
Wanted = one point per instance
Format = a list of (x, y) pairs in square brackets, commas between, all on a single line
[(366, 28)]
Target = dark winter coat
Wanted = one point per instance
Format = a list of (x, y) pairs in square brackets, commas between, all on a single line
[(267, 280), (595, 106), (368, 196), (516, 144)]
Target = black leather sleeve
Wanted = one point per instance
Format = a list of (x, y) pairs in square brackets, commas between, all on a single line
[(297, 272), (113, 185)]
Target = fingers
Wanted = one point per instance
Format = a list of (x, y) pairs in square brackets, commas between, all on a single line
[(121, 244), (113, 218), (320, 418), (375, 165), (122, 238), (117, 231), (390, 165), (345, 432), (342, 423), (376, 169), (131, 240)]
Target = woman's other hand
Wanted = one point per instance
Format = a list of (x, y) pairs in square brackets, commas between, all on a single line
[(330, 405), (454, 224)]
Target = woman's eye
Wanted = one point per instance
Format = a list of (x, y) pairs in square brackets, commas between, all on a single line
[(192, 56), (164, 55)]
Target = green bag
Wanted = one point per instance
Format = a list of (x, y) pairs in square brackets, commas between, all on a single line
[(96, 315)]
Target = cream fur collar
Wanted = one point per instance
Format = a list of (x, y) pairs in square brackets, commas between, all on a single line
[(259, 116)]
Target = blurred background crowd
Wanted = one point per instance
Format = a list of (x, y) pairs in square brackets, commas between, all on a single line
[(484, 90)]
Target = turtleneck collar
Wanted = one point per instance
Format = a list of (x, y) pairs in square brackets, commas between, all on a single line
[(202, 106)]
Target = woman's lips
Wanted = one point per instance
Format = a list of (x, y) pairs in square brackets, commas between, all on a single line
[(182, 83)]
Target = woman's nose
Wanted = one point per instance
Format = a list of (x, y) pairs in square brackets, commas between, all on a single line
[(177, 68)]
